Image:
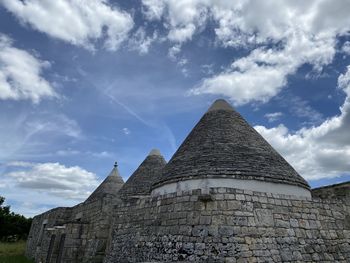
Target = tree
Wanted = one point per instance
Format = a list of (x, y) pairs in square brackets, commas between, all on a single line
[(11, 224)]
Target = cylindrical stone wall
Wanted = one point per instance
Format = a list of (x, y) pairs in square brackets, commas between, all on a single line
[(230, 225)]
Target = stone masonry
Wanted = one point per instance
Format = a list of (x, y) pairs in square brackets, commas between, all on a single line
[(231, 225), (200, 207)]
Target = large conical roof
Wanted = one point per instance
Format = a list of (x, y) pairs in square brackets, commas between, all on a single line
[(145, 176), (224, 145), (111, 185)]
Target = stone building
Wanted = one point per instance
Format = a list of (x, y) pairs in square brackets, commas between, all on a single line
[(225, 196)]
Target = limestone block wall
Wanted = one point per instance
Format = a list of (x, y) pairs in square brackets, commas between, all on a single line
[(76, 234), (230, 225), (80, 231), (38, 237), (97, 217)]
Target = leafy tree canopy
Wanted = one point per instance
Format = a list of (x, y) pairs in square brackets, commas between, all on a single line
[(12, 226)]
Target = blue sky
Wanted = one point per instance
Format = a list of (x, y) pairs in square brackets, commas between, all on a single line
[(84, 85)]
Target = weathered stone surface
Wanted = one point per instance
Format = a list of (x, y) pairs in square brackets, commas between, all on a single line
[(219, 225), (279, 235), (224, 145), (263, 217), (110, 186), (149, 171)]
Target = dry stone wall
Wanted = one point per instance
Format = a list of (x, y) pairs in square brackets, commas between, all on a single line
[(230, 225), (38, 236), (77, 234), (338, 191)]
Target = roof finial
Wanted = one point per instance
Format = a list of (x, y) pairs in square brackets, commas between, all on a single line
[(115, 164)]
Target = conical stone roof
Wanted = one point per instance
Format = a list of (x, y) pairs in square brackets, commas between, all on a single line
[(145, 175), (224, 145), (111, 185)]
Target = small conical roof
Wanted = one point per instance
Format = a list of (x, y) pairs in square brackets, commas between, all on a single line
[(224, 145), (149, 171), (111, 185)]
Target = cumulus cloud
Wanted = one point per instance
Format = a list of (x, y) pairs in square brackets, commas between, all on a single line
[(263, 73), (183, 18), (21, 74), (321, 151), (53, 179), (294, 34), (244, 85), (298, 29), (80, 23)]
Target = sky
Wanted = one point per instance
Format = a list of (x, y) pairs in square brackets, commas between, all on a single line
[(86, 83)]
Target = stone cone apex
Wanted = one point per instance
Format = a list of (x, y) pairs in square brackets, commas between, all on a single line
[(220, 104), (110, 186), (224, 145), (155, 152), (149, 171)]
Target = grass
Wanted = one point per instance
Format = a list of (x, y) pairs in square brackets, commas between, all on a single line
[(13, 252)]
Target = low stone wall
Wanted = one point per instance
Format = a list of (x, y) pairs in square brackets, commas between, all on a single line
[(338, 191), (230, 225)]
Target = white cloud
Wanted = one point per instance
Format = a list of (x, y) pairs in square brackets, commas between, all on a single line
[(274, 116), (318, 152), (153, 9), (263, 73), (183, 18), (346, 47), (53, 179), (244, 85), (182, 34), (173, 52), (141, 42), (21, 74), (294, 34), (344, 81), (297, 28), (80, 23), (33, 188)]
